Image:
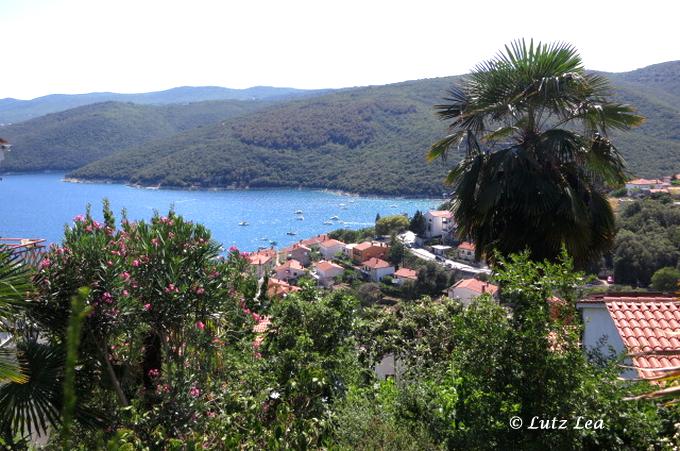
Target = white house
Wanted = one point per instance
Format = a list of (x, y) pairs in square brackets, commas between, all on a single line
[(262, 262), (327, 272), (330, 248), (349, 249), (290, 270), (403, 275), (467, 289), (439, 223), (633, 323), (440, 249), (641, 186), (466, 251), (376, 269)]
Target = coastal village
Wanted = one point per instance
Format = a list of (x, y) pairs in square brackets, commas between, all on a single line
[(632, 323)]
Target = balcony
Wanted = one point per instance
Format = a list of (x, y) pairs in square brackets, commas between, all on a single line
[(29, 250)]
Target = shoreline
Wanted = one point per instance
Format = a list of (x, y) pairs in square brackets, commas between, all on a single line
[(219, 189)]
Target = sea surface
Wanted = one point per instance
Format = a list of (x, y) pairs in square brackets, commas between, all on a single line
[(40, 205)]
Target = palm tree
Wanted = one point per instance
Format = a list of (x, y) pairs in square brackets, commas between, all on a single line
[(533, 127), (14, 283)]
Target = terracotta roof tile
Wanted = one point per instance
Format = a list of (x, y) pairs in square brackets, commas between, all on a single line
[(376, 263), (647, 323), (441, 213), (331, 243), (324, 265), (476, 285), (466, 246), (406, 273)]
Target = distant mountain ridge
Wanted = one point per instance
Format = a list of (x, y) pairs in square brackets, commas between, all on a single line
[(369, 140), (14, 110)]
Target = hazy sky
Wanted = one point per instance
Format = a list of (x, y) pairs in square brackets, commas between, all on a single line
[(76, 46)]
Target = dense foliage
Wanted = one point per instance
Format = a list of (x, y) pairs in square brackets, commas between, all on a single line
[(167, 357), (648, 240), (534, 125), (73, 138), (391, 225)]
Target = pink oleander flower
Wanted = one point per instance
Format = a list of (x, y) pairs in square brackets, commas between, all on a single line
[(214, 275), (171, 235), (195, 392), (245, 254), (125, 276), (155, 242), (88, 229), (107, 297), (126, 293), (153, 372), (200, 290), (44, 263), (109, 263), (147, 307), (96, 224), (164, 388), (171, 288), (78, 218), (136, 263), (200, 325), (233, 249)]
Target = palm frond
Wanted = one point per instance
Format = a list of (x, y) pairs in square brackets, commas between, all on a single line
[(34, 405)]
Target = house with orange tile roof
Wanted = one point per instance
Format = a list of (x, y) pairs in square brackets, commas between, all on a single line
[(330, 248), (468, 289), (289, 271), (369, 249), (262, 262), (280, 288), (326, 272), (634, 323), (376, 269), (403, 275), (466, 251), (439, 224), (298, 252), (315, 241)]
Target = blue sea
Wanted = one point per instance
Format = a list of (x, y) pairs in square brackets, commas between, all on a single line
[(40, 205)]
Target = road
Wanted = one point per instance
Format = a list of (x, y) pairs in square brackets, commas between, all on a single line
[(429, 256)]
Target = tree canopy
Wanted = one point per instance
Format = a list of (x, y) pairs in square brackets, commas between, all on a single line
[(534, 129)]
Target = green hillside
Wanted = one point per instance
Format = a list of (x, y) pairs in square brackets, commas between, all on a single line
[(73, 138), (364, 140), (367, 140)]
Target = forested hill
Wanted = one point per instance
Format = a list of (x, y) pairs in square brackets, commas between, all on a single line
[(73, 138), (15, 110), (365, 140)]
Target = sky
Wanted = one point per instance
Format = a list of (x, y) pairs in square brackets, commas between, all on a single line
[(79, 46)]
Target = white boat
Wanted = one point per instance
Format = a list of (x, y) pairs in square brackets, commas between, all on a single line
[(243, 223), (298, 212), (291, 233), (328, 222), (300, 218), (334, 218)]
